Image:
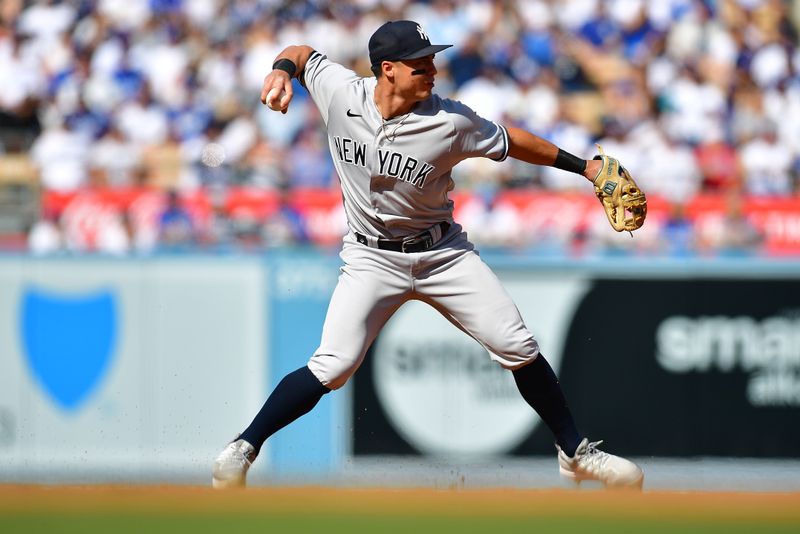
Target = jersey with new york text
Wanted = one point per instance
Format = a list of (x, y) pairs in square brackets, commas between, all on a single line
[(395, 174)]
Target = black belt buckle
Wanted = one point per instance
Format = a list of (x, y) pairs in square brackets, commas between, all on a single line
[(418, 243)]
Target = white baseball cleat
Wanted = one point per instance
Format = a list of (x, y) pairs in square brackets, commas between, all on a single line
[(590, 463), (230, 467)]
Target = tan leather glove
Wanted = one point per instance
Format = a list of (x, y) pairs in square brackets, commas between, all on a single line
[(624, 203)]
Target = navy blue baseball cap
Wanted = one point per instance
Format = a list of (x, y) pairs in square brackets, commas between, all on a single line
[(400, 39)]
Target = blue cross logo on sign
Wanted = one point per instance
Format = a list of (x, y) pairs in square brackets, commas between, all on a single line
[(68, 341)]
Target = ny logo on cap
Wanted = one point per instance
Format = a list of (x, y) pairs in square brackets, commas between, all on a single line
[(422, 34)]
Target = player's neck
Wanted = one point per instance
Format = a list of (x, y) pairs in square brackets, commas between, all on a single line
[(391, 105)]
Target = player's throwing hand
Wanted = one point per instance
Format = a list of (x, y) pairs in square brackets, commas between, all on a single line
[(277, 91)]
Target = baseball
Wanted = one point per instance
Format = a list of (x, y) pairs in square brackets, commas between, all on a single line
[(277, 95), (213, 155)]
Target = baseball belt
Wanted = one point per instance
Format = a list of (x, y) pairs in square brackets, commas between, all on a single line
[(416, 243)]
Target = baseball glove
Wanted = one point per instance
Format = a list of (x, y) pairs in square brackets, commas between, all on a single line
[(624, 202)]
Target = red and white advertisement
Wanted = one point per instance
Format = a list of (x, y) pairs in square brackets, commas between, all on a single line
[(533, 213)]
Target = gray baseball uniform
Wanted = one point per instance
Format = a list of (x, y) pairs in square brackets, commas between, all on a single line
[(403, 243), (395, 177)]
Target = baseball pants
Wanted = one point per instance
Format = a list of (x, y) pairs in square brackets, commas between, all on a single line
[(451, 277)]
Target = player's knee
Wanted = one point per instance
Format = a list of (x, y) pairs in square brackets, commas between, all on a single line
[(332, 371), (512, 362), (516, 358)]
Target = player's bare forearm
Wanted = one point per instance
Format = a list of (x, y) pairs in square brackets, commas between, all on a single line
[(297, 54), (277, 91), (525, 146)]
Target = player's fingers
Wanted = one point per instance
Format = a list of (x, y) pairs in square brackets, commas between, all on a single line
[(265, 88), (272, 98), (277, 92), (265, 92), (285, 100), (276, 99), (270, 84)]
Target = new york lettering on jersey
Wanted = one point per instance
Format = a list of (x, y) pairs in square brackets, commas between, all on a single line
[(405, 168), (350, 151), (391, 164)]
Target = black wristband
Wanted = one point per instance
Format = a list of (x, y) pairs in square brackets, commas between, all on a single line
[(286, 65), (570, 163)]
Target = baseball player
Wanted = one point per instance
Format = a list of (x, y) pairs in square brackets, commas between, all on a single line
[(394, 144)]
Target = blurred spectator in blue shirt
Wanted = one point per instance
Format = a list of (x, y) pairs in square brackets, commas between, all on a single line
[(467, 62), (175, 226), (601, 31), (678, 232), (87, 122), (307, 164)]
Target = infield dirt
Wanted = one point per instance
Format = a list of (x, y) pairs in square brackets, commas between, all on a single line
[(97, 508), (335, 500)]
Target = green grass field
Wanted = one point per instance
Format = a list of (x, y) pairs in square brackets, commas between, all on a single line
[(96, 509)]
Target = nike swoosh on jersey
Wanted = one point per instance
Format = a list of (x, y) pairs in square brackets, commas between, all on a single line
[(349, 114)]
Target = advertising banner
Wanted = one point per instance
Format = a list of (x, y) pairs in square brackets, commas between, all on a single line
[(127, 369), (654, 366), (701, 367), (537, 215)]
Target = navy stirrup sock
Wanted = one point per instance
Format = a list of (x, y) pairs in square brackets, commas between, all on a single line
[(295, 395), (540, 388)]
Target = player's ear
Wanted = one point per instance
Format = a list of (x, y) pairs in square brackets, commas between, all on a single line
[(387, 67)]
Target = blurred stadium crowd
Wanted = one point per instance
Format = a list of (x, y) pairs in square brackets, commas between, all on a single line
[(136, 124)]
